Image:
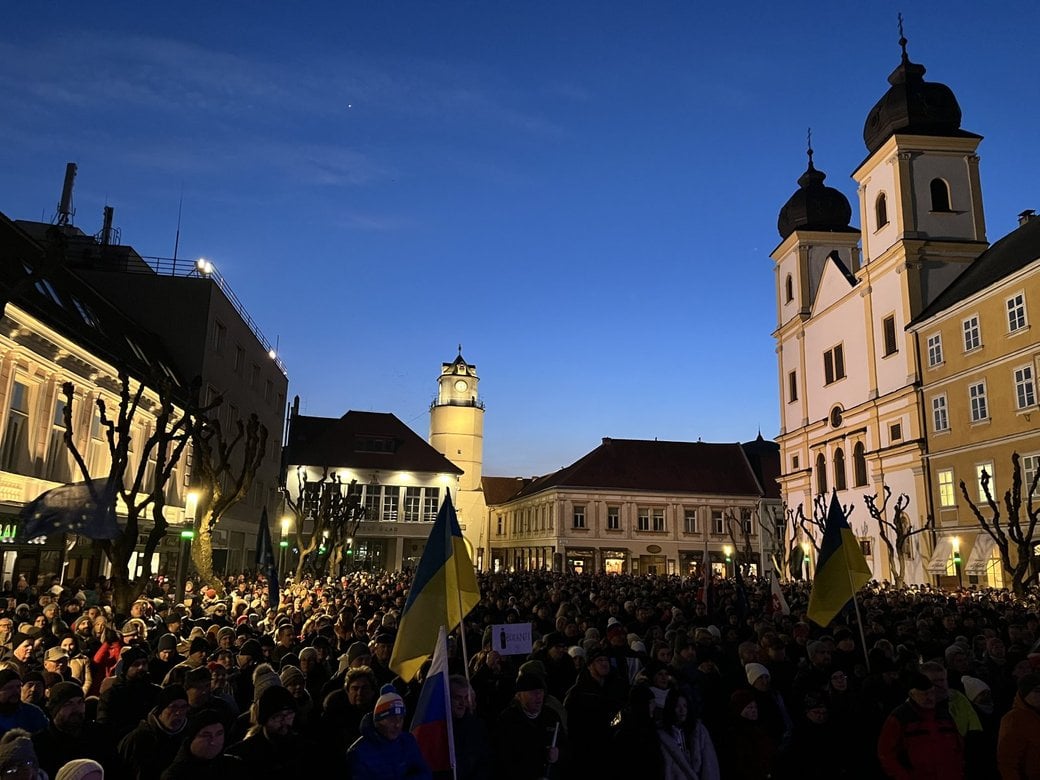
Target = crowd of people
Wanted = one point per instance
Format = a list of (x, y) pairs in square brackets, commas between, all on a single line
[(627, 676)]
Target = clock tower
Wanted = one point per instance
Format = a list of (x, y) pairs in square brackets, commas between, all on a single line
[(457, 432)]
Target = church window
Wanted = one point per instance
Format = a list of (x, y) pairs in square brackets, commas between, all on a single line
[(792, 386), (888, 330), (940, 195), (834, 364), (839, 470), (821, 474), (881, 210), (859, 465), (789, 289)]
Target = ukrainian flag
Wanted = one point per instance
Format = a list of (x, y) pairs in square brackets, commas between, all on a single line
[(443, 592), (841, 569)]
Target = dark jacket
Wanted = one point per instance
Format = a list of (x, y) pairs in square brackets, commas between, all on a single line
[(372, 757), (125, 704), (149, 749), (521, 744)]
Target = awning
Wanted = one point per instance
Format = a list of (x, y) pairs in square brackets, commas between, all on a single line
[(981, 558), (941, 555)]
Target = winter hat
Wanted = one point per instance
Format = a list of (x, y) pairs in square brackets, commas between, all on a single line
[(79, 768), (264, 677), (198, 645), (61, 694), (131, 656), (166, 642), (919, 682), (20, 639), (291, 674), (638, 647), (6, 675), (309, 654), (251, 648), (199, 721), (169, 695), (1028, 683), (529, 681), (274, 699), (226, 631), (754, 671), (388, 704), (356, 651), (973, 686), (739, 700), (198, 678), (16, 748), (55, 654), (715, 632), (576, 651)]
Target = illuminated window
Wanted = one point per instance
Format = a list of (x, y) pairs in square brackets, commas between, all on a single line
[(839, 469), (1029, 464), (14, 453), (431, 503), (413, 505), (947, 497), (985, 468)]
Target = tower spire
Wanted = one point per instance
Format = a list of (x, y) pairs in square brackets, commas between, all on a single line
[(809, 150), (902, 39)]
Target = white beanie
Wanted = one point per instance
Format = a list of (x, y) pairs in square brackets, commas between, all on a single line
[(79, 768), (754, 671), (973, 686)]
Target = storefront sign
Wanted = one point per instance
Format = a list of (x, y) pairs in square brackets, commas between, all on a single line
[(653, 548)]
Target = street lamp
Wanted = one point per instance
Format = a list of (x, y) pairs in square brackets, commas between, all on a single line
[(728, 550), (957, 560), (805, 558), (284, 543), (191, 505)]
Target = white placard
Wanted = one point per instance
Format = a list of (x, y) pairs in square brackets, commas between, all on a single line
[(511, 638)]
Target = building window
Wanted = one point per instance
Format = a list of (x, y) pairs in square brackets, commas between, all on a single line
[(987, 469), (718, 523), (788, 289), (57, 452), (935, 353), (219, 337), (947, 497), (859, 464), (834, 364), (1025, 389), (888, 329), (1029, 464), (643, 520), (431, 503), (268, 391), (747, 524), (940, 416), (795, 461), (690, 521), (613, 518), (579, 517), (839, 469), (792, 387), (240, 359), (977, 396), (972, 338), (940, 195), (866, 548), (372, 495), (658, 519), (14, 454), (821, 474), (413, 505), (1016, 309), (881, 210), (254, 375), (391, 499), (895, 432)]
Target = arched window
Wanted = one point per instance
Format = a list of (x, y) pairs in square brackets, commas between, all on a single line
[(859, 465), (789, 289), (940, 195), (839, 470), (821, 474), (881, 209)]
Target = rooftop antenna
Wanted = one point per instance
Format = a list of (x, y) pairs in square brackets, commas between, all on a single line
[(65, 210), (177, 237)]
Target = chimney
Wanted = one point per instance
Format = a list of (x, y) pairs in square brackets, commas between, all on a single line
[(106, 227), (65, 211), (1026, 216)]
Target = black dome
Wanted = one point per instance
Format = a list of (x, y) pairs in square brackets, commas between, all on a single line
[(814, 206), (912, 105)]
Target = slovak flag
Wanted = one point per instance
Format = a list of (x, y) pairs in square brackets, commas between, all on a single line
[(431, 725), (778, 602)]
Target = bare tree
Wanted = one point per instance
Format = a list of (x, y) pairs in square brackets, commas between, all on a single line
[(781, 542), (222, 476), (333, 515), (739, 530), (896, 530), (140, 489), (1018, 534)]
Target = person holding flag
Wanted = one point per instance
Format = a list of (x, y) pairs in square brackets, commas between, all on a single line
[(385, 751), (841, 569)]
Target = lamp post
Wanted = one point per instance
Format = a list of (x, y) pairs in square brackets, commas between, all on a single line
[(805, 558), (283, 544), (728, 550), (191, 504), (957, 561)]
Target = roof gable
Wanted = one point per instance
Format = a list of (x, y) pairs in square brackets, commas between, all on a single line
[(835, 283)]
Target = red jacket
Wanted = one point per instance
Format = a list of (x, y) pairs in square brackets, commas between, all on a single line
[(1018, 746), (921, 744)]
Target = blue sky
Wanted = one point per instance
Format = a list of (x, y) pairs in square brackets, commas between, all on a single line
[(584, 194)]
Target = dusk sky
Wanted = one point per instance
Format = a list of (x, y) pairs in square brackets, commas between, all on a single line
[(584, 194)]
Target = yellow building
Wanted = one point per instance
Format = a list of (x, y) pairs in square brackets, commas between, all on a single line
[(980, 357)]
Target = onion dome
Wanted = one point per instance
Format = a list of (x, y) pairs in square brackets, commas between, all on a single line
[(814, 206), (912, 106)]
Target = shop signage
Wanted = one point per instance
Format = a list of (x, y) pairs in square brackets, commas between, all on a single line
[(653, 549)]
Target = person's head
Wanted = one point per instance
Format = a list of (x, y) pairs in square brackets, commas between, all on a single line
[(461, 696), (358, 654), (276, 712), (555, 645), (6, 627), (388, 715), (135, 665), (204, 735), (17, 758), (937, 674), (32, 688), (198, 684), (361, 687), (382, 647), (172, 709), (10, 687), (1029, 689), (819, 653), (530, 692), (598, 664), (21, 647), (839, 681), (676, 708), (81, 769), (978, 693), (816, 709), (922, 691), (742, 704), (70, 644), (758, 677), (66, 707), (294, 681)]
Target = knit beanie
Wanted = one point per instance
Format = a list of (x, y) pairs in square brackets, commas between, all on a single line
[(79, 768), (198, 678), (131, 656), (169, 695), (357, 650), (8, 674), (61, 694), (754, 671), (973, 686), (20, 639), (166, 642), (388, 704), (529, 681), (198, 722), (16, 748), (264, 677), (291, 674), (251, 648), (198, 645), (274, 700)]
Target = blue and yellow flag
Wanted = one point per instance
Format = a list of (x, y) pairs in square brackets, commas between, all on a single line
[(443, 592), (841, 569)]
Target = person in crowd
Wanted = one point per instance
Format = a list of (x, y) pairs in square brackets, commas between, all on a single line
[(529, 739), (130, 697), (687, 750), (69, 735), (920, 740), (15, 713), (635, 746), (81, 769), (151, 747), (592, 704), (272, 748), (385, 751), (1018, 744), (18, 760), (201, 754)]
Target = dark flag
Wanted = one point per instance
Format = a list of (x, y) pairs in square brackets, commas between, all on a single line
[(84, 508), (265, 560)]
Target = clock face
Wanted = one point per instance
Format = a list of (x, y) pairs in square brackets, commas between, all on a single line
[(460, 385)]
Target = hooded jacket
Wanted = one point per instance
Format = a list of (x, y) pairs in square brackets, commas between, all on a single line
[(1018, 745)]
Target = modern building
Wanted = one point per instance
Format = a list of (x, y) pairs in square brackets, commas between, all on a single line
[(633, 506), (400, 481), (980, 360), (855, 409), (58, 329)]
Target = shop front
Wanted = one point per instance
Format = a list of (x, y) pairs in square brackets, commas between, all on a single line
[(615, 560), (580, 560)]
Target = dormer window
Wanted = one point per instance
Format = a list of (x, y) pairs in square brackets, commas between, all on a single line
[(881, 210), (940, 195)]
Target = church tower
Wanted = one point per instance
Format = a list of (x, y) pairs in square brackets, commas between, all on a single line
[(457, 431)]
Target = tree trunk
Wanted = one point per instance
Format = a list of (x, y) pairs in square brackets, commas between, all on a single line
[(202, 553)]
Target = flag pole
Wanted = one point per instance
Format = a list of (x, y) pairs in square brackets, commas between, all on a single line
[(855, 603)]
